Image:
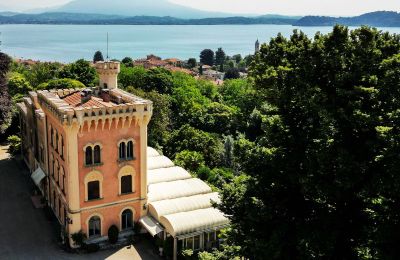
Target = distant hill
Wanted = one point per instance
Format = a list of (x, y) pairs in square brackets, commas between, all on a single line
[(135, 8), (77, 18), (378, 19)]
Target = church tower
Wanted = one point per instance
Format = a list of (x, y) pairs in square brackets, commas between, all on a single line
[(108, 74), (257, 47)]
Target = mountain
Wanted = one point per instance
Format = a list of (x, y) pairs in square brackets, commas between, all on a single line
[(378, 19), (135, 8), (80, 18)]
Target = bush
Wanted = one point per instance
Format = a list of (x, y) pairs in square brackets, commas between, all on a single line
[(14, 142), (189, 160), (79, 238), (113, 234), (62, 84), (187, 254)]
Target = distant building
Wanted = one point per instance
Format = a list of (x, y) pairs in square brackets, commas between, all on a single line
[(257, 47), (87, 152), (213, 75)]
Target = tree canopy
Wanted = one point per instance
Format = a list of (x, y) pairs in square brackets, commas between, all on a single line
[(98, 56), (323, 175), (207, 57)]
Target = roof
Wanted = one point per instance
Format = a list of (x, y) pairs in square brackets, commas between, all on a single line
[(182, 204), (167, 174), (75, 100), (177, 189), (193, 221)]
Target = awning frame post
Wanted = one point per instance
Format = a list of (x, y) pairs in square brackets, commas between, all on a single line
[(175, 249)]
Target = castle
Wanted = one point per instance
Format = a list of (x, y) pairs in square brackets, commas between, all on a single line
[(87, 153)]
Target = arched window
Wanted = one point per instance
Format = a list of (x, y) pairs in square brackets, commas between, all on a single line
[(52, 137), (56, 146), (126, 219), (93, 188), (89, 156), (94, 226), (62, 147), (96, 156), (122, 151), (126, 184), (129, 150)]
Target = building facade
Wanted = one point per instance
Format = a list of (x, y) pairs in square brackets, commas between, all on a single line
[(87, 151)]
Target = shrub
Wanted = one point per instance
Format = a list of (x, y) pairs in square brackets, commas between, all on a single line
[(14, 142), (113, 234), (189, 160), (79, 238), (187, 254)]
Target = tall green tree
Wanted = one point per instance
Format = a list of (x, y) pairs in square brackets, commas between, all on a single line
[(220, 57), (5, 104), (324, 172), (207, 57), (192, 63), (98, 56), (80, 70)]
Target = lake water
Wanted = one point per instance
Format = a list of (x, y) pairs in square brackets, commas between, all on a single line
[(70, 42)]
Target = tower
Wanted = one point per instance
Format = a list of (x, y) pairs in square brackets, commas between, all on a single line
[(108, 73), (257, 47)]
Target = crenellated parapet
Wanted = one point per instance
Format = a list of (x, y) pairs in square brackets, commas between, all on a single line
[(121, 110)]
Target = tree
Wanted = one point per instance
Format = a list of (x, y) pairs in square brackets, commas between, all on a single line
[(189, 160), (192, 63), (207, 57), (220, 57), (323, 175), (61, 84), (80, 70), (98, 56), (5, 104), (17, 84), (127, 61), (232, 73), (237, 58)]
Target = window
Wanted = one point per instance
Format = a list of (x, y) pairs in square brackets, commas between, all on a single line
[(41, 154), (122, 150), (126, 150), (127, 219), (56, 146), (97, 154), (94, 226), (93, 190), (62, 147), (126, 184), (129, 150), (89, 156), (52, 137)]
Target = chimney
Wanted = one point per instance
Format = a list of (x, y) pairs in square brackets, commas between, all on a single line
[(105, 95), (86, 94)]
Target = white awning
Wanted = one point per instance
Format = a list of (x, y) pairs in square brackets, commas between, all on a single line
[(193, 221), (157, 162), (151, 152), (167, 174), (37, 176), (150, 225), (183, 204)]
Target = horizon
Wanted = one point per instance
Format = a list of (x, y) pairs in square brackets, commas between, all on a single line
[(249, 7)]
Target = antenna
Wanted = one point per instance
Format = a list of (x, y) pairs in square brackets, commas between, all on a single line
[(107, 47)]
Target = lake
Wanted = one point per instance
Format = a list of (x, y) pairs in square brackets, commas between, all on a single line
[(67, 43)]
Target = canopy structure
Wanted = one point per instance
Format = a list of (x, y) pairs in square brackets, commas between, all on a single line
[(167, 174), (193, 221), (150, 225), (177, 189), (37, 176), (156, 162), (183, 205)]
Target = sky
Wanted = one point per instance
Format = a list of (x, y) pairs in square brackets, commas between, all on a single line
[(285, 7)]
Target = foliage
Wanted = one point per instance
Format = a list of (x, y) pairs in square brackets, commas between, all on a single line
[(80, 70), (61, 84), (5, 108), (113, 234), (323, 169), (17, 84), (192, 63), (98, 56), (207, 57), (79, 238), (127, 61), (232, 73), (220, 56), (187, 254), (132, 76), (14, 143), (189, 160)]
